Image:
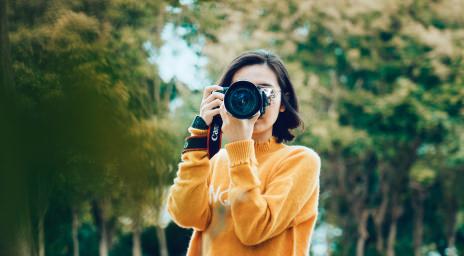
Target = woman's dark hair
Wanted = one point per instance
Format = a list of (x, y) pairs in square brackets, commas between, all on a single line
[(287, 120)]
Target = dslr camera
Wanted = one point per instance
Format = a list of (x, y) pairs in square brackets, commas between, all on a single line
[(243, 99)]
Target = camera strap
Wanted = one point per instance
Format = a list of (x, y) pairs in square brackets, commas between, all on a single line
[(214, 136), (194, 143)]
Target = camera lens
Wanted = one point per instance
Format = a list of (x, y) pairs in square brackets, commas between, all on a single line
[(243, 99)]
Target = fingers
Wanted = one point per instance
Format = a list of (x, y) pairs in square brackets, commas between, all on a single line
[(208, 111), (214, 112), (213, 104), (223, 112), (210, 103), (212, 97), (209, 89)]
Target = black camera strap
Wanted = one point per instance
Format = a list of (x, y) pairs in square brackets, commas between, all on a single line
[(214, 136)]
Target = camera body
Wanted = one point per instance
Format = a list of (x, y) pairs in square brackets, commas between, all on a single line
[(243, 99)]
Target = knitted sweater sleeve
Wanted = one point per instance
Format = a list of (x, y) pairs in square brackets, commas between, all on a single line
[(188, 196), (260, 215)]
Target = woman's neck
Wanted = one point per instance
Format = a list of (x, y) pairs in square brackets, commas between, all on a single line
[(262, 137)]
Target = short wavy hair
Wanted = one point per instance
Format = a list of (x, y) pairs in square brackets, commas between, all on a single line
[(290, 118)]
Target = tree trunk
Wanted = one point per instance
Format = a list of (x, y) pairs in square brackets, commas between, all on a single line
[(162, 241), (341, 174), (41, 237), (75, 232), (110, 231), (451, 236), (379, 214), (391, 239), (363, 234), (418, 202), (397, 211), (16, 213), (24, 248), (451, 226), (136, 241), (452, 249), (103, 246), (100, 212)]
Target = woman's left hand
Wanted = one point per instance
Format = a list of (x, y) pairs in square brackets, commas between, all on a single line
[(235, 129)]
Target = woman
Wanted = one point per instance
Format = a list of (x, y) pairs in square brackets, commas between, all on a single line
[(257, 196)]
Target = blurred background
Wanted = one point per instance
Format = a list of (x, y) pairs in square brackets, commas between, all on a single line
[(96, 97)]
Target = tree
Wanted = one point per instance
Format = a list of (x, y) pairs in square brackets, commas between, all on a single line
[(83, 83)]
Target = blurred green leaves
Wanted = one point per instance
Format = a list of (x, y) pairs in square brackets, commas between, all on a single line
[(380, 86)]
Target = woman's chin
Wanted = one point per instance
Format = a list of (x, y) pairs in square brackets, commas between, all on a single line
[(257, 129)]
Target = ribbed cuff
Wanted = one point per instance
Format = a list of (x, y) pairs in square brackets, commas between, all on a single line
[(197, 132), (240, 152)]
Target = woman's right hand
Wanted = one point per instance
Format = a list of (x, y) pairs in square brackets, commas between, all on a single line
[(210, 103)]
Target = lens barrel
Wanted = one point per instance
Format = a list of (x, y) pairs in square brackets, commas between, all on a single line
[(243, 99)]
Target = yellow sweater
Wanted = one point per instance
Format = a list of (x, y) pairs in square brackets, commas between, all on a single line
[(249, 199)]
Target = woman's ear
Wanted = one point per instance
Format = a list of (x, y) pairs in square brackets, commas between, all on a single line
[(282, 108)]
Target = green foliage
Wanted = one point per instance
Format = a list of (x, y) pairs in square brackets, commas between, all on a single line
[(91, 112), (423, 175), (380, 86)]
